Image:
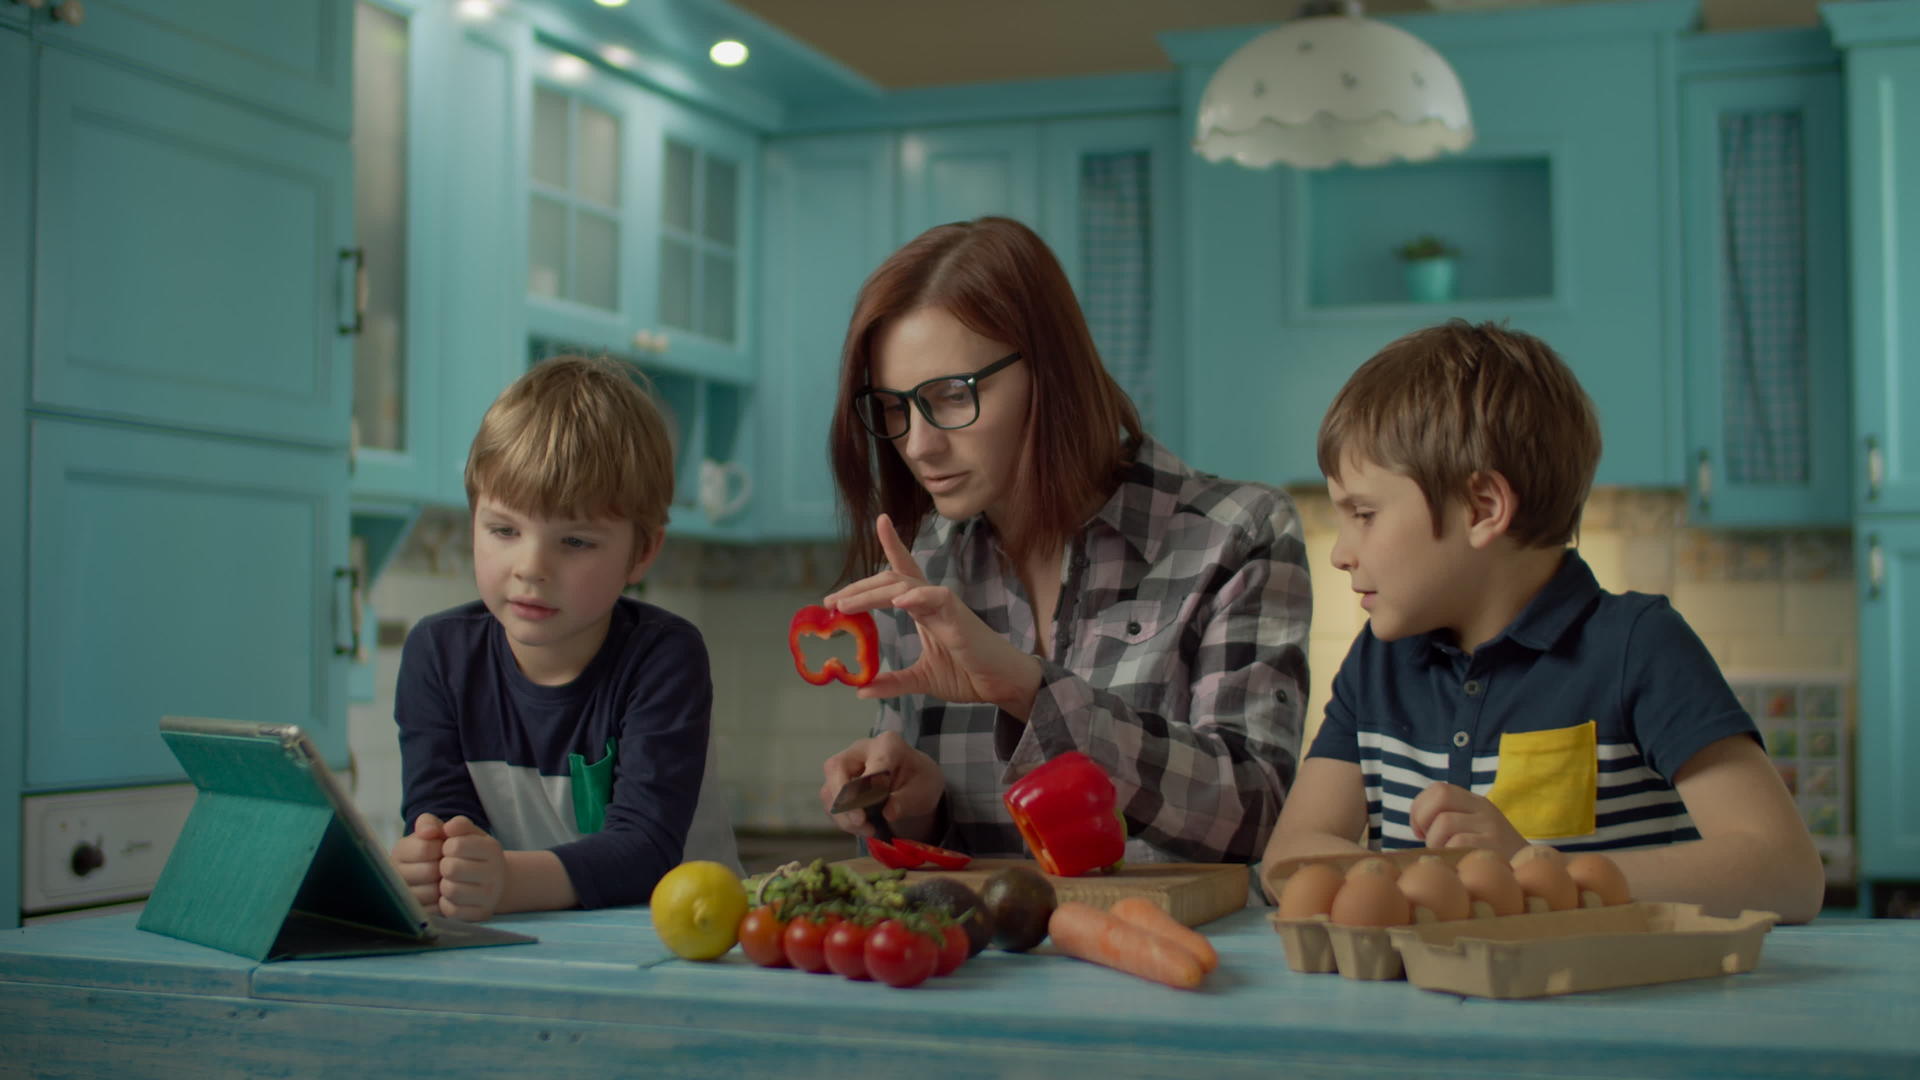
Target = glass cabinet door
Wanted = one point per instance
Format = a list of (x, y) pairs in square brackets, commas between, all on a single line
[(380, 104), (699, 241), (573, 242)]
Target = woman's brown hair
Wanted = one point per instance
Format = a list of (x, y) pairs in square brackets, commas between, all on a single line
[(999, 279), (1449, 401)]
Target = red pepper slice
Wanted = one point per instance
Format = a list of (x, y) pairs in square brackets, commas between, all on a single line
[(940, 857), (819, 621), (889, 855), (1067, 813)]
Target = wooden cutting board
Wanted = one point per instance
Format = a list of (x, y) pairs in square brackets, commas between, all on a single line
[(1193, 893)]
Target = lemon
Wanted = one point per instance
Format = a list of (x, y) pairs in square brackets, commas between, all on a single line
[(697, 908)]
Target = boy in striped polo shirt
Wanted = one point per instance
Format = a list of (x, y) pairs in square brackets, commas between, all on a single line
[(1498, 696)]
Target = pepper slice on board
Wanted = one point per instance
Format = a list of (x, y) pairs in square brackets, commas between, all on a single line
[(819, 621)]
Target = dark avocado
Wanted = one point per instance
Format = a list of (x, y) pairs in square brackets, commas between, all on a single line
[(957, 900), (1019, 902)]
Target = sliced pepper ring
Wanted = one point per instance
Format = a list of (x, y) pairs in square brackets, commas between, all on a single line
[(817, 621), (903, 854)]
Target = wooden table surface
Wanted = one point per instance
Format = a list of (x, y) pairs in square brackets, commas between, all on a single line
[(599, 996)]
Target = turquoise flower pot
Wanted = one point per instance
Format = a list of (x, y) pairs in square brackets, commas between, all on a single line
[(1430, 281)]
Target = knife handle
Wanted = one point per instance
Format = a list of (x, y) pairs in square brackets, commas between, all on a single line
[(879, 822)]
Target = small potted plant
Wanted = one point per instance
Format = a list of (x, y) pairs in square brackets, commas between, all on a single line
[(1429, 267)]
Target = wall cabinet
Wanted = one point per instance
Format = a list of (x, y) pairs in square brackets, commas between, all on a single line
[(180, 425), (966, 171), (1762, 213), (1557, 206), (1881, 47)]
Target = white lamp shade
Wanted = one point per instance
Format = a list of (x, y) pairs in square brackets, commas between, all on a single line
[(1327, 89)]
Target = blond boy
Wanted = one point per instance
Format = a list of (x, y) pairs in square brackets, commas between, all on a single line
[(1498, 696), (554, 733)]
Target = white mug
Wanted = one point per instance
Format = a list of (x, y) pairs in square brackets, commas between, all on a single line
[(717, 495)]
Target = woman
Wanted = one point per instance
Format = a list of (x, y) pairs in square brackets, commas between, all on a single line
[(1071, 585)]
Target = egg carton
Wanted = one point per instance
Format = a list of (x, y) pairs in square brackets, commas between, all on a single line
[(1539, 954)]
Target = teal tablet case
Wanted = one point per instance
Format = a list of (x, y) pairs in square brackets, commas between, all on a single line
[(270, 868)]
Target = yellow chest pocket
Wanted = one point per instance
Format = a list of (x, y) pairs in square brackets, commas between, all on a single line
[(1546, 781)]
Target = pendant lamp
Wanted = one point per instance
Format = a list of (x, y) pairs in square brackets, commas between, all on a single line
[(1330, 87)]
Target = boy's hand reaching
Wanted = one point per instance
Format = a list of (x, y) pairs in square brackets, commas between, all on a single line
[(417, 857), (473, 872), (1446, 816)]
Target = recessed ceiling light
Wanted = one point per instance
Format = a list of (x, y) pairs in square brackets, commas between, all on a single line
[(475, 10), (569, 68), (611, 3), (619, 56), (728, 53)]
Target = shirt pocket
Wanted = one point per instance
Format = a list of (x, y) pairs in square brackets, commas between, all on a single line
[(592, 788), (1547, 780), (1132, 622)]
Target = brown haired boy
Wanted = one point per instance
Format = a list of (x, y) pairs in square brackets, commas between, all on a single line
[(1498, 696), (553, 733)]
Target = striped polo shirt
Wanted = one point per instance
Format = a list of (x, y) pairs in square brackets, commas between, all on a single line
[(1573, 720)]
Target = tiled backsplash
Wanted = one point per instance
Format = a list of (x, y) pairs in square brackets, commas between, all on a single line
[(1765, 603)]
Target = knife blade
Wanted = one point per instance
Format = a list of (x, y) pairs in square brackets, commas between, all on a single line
[(867, 793)]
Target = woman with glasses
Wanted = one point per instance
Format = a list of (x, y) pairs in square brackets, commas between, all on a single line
[(1045, 576)]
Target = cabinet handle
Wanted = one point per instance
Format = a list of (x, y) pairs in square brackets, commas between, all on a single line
[(354, 260), (71, 12), (351, 575), (1703, 481), (1876, 566), (1876, 468)]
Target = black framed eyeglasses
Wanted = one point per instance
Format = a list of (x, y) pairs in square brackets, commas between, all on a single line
[(947, 401)]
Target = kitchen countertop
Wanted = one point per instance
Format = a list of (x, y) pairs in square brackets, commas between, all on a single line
[(599, 995)]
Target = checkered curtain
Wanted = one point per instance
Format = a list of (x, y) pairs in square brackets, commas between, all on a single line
[(1764, 309), (1116, 268)]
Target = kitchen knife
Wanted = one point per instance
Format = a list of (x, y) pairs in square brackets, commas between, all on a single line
[(867, 793)]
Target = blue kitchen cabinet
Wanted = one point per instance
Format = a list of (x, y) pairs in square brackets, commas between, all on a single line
[(15, 15), (178, 574), (1763, 216), (1889, 699), (191, 258), (829, 209), (292, 57), (1880, 44), (955, 173), (16, 185), (1291, 281)]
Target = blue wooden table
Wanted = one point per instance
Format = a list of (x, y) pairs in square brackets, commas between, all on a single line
[(599, 996)]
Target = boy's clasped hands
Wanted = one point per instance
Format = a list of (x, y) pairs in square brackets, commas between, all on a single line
[(453, 867)]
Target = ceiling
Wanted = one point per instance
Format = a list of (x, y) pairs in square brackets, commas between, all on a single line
[(909, 43)]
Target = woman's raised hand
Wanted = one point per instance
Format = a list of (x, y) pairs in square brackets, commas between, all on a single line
[(961, 658)]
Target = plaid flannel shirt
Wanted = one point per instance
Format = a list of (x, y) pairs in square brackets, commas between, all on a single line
[(1178, 663)]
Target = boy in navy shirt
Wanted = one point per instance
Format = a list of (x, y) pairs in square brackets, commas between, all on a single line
[(1498, 696), (554, 733)]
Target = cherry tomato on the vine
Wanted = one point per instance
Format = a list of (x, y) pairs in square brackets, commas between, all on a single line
[(847, 950), (954, 949), (899, 956), (761, 934), (806, 941)]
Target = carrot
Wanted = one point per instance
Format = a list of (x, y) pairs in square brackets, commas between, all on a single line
[(1088, 933), (1148, 915)]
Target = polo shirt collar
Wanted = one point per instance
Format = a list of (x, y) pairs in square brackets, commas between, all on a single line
[(1567, 596)]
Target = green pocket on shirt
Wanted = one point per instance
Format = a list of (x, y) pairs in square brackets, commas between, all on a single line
[(1547, 781), (592, 788)]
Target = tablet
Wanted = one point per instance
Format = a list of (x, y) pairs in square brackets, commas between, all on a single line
[(276, 862)]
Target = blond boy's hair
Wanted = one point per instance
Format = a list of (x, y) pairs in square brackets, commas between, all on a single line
[(577, 437), (1449, 401)]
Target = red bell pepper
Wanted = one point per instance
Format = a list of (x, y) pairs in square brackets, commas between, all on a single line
[(821, 622), (902, 853), (1068, 814)]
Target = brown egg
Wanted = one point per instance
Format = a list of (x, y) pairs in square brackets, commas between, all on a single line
[(1371, 899), (1309, 891), (1489, 879), (1375, 865), (1595, 873), (1539, 851), (1546, 878), (1432, 884)]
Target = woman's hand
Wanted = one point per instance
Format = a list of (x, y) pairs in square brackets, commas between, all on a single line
[(961, 658), (1448, 816), (917, 782)]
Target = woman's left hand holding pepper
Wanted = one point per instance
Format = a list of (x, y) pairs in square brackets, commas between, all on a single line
[(961, 658)]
